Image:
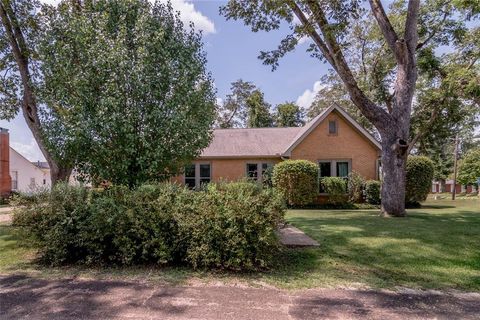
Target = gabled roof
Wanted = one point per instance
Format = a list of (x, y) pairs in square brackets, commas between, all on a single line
[(270, 142), (250, 142)]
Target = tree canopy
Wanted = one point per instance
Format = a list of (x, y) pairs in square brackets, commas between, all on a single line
[(130, 81), (469, 169), (289, 114)]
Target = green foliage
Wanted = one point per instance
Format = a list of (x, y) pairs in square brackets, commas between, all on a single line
[(420, 172), (228, 225), (336, 188), (233, 112), (372, 191), (356, 184), (297, 180), (258, 111), (288, 114), (469, 168), (138, 96)]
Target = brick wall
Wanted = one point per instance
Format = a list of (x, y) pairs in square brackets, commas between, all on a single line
[(5, 180), (348, 143)]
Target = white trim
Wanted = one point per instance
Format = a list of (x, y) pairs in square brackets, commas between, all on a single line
[(316, 121)]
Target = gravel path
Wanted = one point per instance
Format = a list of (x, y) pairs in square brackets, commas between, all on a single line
[(22, 297)]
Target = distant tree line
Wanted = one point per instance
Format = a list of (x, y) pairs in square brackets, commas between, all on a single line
[(245, 107)]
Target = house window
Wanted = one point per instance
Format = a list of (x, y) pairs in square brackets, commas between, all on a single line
[(190, 176), (197, 174), (332, 127), (253, 170), (333, 168), (204, 173), (14, 176)]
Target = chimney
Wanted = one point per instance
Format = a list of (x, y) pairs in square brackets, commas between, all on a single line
[(5, 180)]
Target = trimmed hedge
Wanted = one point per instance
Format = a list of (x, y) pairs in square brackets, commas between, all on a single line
[(297, 180), (420, 172), (372, 192), (228, 225), (336, 188)]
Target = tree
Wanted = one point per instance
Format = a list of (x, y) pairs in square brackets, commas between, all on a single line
[(327, 24), (289, 114), (19, 88), (469, 169), (258, 111), (131, 81), (234, 112)]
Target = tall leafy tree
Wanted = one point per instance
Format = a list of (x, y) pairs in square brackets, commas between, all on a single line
[(258, 111), (21, 80), (403, 31), (130, 81), (469, 170), (233, 112), (289, 114)]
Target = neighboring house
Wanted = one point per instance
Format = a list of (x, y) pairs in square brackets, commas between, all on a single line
[(333, 140), (447, 186), (27, 176), (17, 173)]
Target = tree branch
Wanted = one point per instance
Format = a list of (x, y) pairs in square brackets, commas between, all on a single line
[(312, 32), (385, 25), (378, 116), (411, 32), (421, 133), (433, 33)]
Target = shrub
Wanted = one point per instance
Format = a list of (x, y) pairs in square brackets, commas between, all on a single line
[(372, 191), (336, 188), (228, 225), (297, 180), (356, 184), (420, 172)]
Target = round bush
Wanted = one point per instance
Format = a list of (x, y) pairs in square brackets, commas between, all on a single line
[(336, 188), (372, 191), (420, 172), (297, 180)]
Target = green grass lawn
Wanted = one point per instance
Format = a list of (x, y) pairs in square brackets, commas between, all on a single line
[(437, 246)]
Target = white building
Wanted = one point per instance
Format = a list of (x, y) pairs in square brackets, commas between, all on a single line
[(27, 176)]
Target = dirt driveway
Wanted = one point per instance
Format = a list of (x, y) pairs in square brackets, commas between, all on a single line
[(23, 297)]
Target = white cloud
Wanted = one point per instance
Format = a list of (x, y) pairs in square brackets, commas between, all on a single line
[(307, 97), (219, 101), (28, 150), (188, 14)]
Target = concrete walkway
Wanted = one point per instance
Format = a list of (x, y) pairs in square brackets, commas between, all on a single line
[(294, 237), (29, 298)]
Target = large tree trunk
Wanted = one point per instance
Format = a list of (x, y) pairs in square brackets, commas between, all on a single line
[(394, 158), (59, 174), (29, 103)]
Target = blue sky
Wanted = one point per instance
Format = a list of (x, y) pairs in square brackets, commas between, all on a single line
[(232, 51)]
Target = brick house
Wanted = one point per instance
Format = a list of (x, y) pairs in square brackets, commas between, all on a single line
[(333, 139)]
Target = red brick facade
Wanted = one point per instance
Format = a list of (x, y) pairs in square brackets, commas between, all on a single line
[(5, 180)]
